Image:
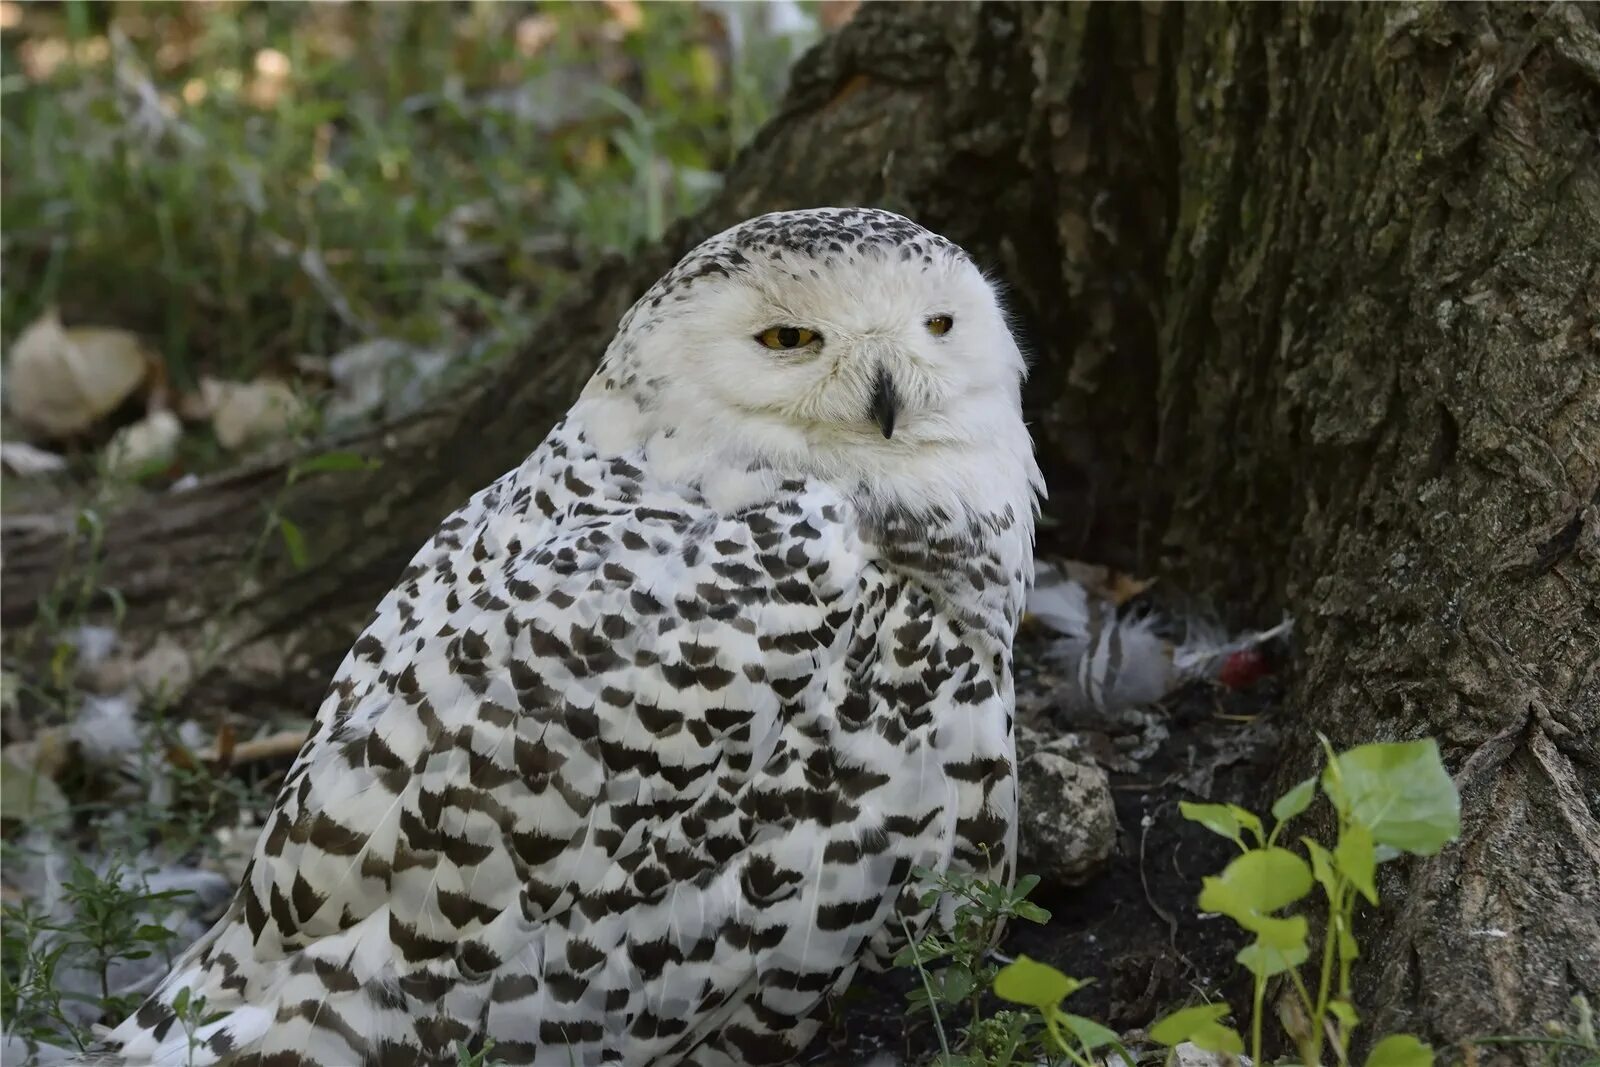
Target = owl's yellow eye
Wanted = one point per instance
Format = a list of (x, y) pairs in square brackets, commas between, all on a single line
[(786, 337), (939, 325)]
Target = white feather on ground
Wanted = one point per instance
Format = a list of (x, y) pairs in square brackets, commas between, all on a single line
[(1118, 657)]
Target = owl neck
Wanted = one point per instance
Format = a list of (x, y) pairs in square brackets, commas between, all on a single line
[(948, 509)]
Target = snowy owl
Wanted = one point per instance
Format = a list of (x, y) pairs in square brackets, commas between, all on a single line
[(635, 763)]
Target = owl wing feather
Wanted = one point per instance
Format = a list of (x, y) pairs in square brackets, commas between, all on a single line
[(578, 788)]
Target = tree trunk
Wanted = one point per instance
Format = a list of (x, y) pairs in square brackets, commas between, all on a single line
[(1313, 295)]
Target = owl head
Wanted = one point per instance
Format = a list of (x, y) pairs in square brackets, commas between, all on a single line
[(845, 343)]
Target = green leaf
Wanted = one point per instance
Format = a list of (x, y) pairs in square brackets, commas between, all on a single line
[(1286, 934), (1184, 1023), (1400, 792), (1345, 1012), (1349, 947), (1218, 1038), (294, 543), (1295, 800), (180, 1002), (922, 952), (1091, 1033), (1024, 886), (1032, 912), (28, 796), (1400, 1050), (1225, 819), (1037, 985), (1257, 883), (955, 983), (1322, 867), (1265, 959), (1357, 860), (334, 461)]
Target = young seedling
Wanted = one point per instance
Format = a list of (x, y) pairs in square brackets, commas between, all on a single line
[(1389, 800), (958, 986)]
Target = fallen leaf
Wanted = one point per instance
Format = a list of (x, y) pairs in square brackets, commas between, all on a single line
[(27, 794), (1103, 582), (61, 381), (245, 412)]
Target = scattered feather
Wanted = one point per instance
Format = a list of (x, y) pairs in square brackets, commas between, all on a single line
[(30, 461), (107, 730), (147, 445), (1117, 657), (382, 376), (93, 644)]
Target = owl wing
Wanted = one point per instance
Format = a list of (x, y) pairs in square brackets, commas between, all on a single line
[(573, 789)]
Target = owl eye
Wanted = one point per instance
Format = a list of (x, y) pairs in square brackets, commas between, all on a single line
[(781, 337), (939, 325)]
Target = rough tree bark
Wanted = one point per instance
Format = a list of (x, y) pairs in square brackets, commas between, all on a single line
[(1314, 300)]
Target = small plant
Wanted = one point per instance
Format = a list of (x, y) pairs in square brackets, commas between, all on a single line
[(114, 918), (1388, 800), (476, 1053), (958, 986), (114, 921), (193, 1013), (30, 997)]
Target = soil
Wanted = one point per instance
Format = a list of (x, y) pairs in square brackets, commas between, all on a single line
[(1135, 928)]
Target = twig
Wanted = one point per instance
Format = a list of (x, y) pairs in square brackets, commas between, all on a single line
[(1172, 923), (274, 746)]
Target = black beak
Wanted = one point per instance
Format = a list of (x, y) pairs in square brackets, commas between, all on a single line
[(885, 403)]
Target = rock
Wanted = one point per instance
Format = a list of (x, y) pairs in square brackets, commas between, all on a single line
[(1187, 1054), (1067, 823), (164, 672)]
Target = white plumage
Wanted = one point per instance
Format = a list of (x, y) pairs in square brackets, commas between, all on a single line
[(633, 765)]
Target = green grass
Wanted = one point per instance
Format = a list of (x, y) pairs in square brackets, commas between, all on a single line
[(248, 185)]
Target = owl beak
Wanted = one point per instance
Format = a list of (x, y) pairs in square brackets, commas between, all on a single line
[(885, 403)]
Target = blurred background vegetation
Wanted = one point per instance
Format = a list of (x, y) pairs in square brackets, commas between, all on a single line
[(253, 188)]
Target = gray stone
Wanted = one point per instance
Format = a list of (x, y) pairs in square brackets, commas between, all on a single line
[(1067, 823)]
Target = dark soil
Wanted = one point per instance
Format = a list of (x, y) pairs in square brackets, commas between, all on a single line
[(1135, 928)]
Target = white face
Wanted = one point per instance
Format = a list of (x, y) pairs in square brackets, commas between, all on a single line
[(878, 354), (886, 369)]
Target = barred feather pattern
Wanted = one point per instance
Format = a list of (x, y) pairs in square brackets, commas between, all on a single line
[(612, 778)]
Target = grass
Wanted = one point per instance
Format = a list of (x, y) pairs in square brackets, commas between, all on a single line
[(248, 185)]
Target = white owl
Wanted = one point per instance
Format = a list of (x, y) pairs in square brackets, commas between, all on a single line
[(634, 764)]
